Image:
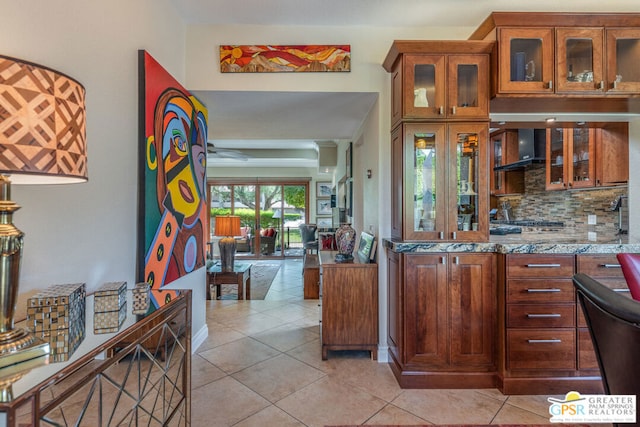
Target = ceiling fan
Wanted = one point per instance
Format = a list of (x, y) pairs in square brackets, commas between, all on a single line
[(225, 153)]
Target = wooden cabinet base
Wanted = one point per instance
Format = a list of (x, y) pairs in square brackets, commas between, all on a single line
[(373, 348), (311, 275), (442, 379), (550, 385)]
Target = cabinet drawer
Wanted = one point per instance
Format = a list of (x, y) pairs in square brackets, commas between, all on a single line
[(541, 349), (586, 354), (541, 315), (538, 266), (547, 291), (599, 265)]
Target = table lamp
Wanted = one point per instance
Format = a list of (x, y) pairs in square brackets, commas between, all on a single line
[(42, 141), (227, 227)]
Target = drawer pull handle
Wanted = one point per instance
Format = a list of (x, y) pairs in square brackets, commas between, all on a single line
[(621, 290), (540, 316), (543, 341), (544, 290), (610, 265), (543, 265)]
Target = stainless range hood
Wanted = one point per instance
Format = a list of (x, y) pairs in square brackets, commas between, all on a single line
[(531, 149)]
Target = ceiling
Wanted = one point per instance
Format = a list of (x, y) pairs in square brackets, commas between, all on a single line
[(279, 128)]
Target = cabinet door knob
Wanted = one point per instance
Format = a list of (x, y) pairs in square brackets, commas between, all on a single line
[(453, 110), (443, 260), (601, 85), (441, 235), (615, 85), (550, 84), (454, 235), (441, 110)]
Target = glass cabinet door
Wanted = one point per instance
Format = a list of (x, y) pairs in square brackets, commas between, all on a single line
[(556, 161), (467, 181), (580, 59), (582, 150), (526, 60), (497, 177), (468, 84), (623, 57), (424, 90), (425, 186)]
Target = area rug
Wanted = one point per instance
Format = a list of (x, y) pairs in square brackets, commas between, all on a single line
[(262, 275)]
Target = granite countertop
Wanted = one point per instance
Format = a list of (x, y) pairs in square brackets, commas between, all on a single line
[(529, 242)]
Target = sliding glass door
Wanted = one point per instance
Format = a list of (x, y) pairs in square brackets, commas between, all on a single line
[(270, 214)]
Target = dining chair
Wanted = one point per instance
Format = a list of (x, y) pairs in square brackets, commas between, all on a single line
[(614, 326), (630, 264)]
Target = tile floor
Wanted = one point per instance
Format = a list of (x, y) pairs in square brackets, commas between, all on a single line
[(261, 366)]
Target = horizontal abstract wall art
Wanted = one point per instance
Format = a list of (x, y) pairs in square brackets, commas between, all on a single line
[(282, 59)]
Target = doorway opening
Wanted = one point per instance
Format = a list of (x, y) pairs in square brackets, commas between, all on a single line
[(270, 213)]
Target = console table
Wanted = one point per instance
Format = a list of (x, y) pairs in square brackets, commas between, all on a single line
[(140, 375), (349, 299)]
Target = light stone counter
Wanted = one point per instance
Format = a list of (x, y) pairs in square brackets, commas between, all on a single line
[(528, 242)]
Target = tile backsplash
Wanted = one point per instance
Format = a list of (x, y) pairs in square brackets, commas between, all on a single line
[(571, 207)]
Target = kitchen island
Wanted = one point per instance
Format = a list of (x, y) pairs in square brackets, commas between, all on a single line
[(501, 313)]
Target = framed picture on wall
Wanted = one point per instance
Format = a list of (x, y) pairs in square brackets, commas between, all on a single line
[(324, 222), (323, 207), (323, 189)]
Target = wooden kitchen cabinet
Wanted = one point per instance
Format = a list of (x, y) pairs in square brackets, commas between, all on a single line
[(349, 300), (504, 151), (584, 157), (612, 154), (439, 176), (544, 346), (442, 319), (525, 60), (432, 80), (590, 55)]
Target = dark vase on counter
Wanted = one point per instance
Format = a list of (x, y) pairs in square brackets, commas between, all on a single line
[(346, 241)]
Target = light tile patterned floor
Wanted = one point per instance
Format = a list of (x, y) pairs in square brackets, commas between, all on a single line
[(261, 366)]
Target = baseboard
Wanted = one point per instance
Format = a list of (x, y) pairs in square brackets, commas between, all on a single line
[(198, 338), (383, 354)]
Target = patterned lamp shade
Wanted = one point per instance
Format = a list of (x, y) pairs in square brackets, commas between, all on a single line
[(42, 125), (227, 225)]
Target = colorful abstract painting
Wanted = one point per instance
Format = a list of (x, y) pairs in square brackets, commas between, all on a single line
[(278, 59), (172, 179)]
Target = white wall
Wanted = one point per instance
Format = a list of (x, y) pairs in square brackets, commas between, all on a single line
[(87, 232)]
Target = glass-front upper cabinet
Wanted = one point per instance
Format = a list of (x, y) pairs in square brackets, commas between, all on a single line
[(446, 86), (580, 65), (425, 190), (467, 182), (425, 90), (570, 158), (526, 60), (582, 152), (623, 57), (468, 86), (445, 182), (556, 153)]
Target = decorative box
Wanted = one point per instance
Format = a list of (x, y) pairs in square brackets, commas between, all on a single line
[(109, 307), (57, 315), (141, 298)]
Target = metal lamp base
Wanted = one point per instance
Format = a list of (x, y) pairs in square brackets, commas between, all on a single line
[(227, 253), (19, 345)]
